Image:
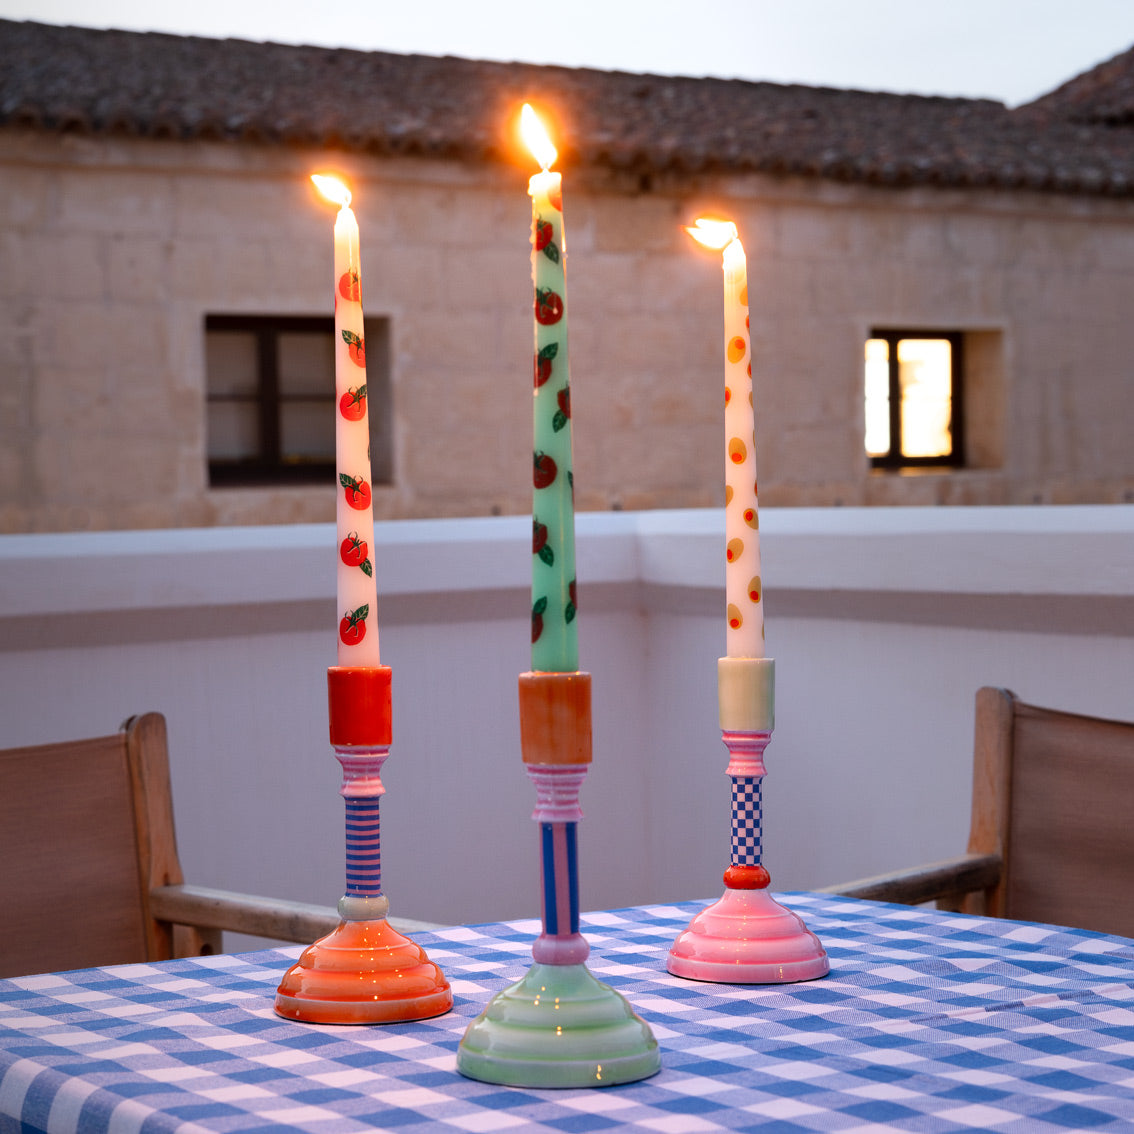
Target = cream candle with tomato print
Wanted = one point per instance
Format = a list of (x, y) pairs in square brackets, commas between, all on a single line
[(744, 615), (357, 610), (555, 639)]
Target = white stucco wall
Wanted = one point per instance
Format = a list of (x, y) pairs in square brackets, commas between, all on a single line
[(883, 624)]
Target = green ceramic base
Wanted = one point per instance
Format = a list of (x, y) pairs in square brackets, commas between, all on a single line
[(558, 1027)]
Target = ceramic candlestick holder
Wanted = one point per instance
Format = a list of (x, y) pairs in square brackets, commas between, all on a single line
[(747, 937), (558, 1026), (364, 971)]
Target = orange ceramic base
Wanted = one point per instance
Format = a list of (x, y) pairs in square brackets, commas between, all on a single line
[(364, 972)]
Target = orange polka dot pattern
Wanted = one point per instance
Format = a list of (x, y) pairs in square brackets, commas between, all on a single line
[(744, 593)]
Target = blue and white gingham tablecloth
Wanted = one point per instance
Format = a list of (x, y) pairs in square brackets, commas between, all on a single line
[(928, 1022)]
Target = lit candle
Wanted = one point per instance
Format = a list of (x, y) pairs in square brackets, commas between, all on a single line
[(555, 639), (743, 588), (357, 598)]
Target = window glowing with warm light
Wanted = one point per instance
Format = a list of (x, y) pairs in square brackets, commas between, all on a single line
[(925, 376), (877, 397), (912, 389)]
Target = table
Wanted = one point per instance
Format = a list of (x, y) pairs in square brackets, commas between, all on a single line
[(928, 1022)]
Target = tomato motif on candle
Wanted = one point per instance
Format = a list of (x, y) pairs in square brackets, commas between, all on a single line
[(543, 360), (544, 471), (352, 627), (354, 553), (356, 347), (544, 240), (352, 405), (540, 546), (548, 307), (563, 413), (357, 491), (349, 287)]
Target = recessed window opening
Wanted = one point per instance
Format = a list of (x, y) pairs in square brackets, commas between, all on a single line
[(271, 399), (913, 399)]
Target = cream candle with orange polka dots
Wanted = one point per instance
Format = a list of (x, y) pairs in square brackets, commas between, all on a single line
[(743, 586)]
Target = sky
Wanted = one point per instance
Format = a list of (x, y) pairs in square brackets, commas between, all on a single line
[(1011, 50)]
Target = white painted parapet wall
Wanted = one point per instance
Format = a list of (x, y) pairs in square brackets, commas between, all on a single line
[(883, 623)]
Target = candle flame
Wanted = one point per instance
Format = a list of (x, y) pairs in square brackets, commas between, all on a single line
[(712, 233), (536, 137), (332, 188)]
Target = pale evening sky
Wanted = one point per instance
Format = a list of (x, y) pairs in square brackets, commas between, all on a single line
[(1012, 50)]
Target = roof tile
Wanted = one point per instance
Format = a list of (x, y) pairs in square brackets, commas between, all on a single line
[(1075, 140)]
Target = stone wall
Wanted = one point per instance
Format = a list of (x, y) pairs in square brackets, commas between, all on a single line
[(113, 251)]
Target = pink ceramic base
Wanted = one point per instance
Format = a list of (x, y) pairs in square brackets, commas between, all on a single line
[(747, 938)]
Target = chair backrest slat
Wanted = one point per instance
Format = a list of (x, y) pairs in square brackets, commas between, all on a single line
[(1070, 842), (72, 887)]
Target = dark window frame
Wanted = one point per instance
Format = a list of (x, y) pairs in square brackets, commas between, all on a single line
[(269, 467), (895, 458)]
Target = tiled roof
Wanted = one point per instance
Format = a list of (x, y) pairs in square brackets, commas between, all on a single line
[(156, 85), (1102, 96)]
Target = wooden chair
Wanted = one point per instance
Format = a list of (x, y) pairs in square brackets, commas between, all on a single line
[(1052, 831), (89, 873)]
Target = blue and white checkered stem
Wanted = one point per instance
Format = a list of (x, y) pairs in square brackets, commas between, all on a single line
[(362, 789), (745, 821), (557, 812), (746, 770)]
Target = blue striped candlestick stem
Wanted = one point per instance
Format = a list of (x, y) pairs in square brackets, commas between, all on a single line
[(362, 790), (557, 811)]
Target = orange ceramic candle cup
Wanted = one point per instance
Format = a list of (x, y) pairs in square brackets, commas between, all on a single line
[(555, 718)]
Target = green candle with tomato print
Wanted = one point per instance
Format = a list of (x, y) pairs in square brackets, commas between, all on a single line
[(555, 638), (357, 613)]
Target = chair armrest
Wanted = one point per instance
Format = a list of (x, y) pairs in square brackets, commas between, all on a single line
[(276, 918), (961, 875), (242, 913)]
